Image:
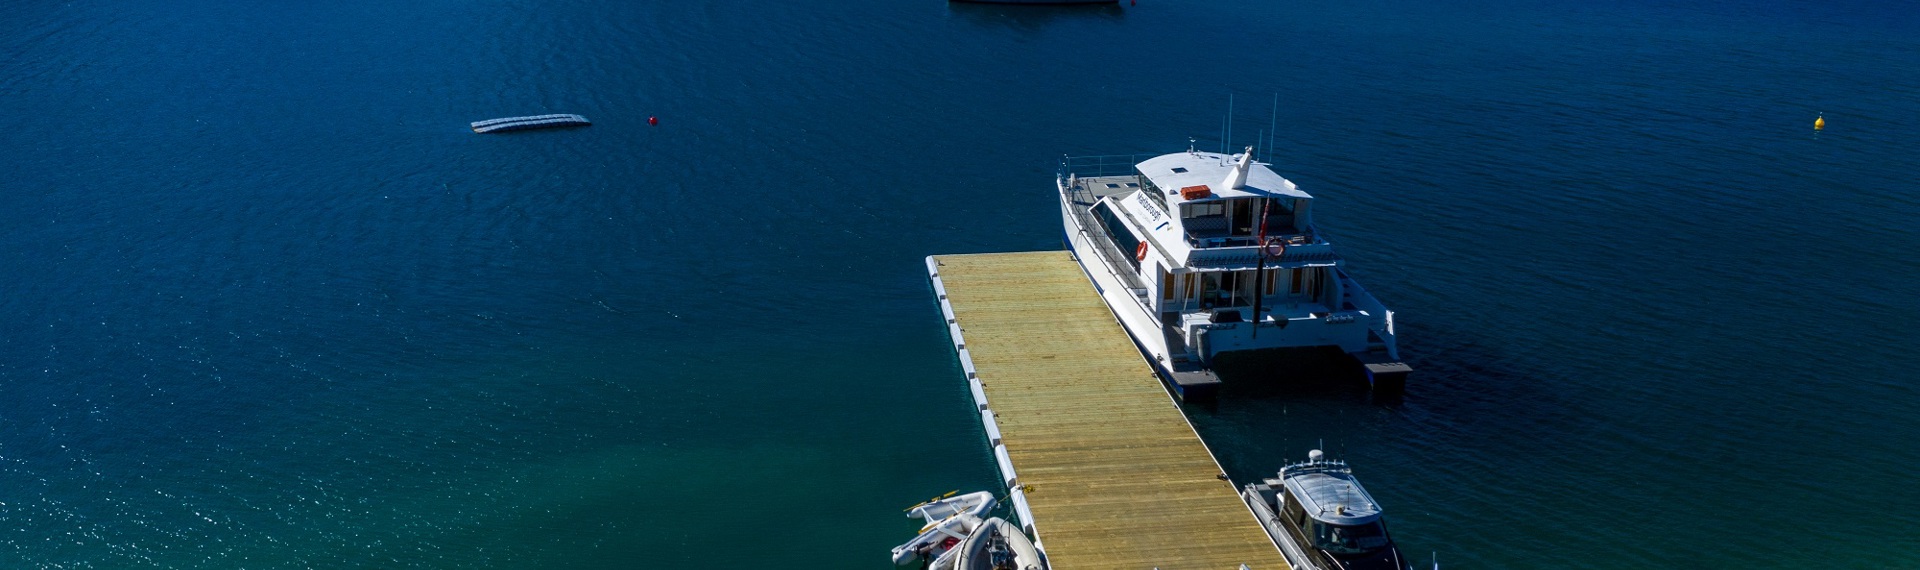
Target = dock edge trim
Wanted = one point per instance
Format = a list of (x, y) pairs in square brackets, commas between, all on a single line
[(992, 427)]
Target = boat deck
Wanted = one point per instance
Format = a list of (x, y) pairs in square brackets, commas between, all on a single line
[(1119, 477)]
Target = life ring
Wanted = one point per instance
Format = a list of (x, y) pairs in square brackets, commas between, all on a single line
[(1140, 253), (1275, 248)]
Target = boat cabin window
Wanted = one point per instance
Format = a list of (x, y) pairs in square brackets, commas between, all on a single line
[(1236, 221), (1224, 289), (1345, 539), (1294, 513), (1281, 216), (1123, 238), (1203, 210), (1204, 220), (1227, 289)]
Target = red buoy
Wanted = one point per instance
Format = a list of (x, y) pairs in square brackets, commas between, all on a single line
[(653, 120)]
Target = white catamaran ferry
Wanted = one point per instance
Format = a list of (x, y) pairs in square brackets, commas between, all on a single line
[(1201, 254)]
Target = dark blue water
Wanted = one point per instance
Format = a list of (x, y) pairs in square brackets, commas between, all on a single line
[(266, 302)]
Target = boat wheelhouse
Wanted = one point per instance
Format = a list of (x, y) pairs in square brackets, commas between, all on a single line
[(1322, 518), (1201, 254)]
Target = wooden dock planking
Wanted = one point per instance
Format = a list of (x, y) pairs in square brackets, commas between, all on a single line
[(1120, 479)]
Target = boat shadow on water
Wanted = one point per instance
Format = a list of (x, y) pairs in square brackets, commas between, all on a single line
[(1322, 371), (1459, 371), (1033, 17)]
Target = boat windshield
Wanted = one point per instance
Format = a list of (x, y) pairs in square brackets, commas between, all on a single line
[(1354, 539)]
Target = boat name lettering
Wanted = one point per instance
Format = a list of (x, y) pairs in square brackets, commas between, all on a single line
[(1141, 197)]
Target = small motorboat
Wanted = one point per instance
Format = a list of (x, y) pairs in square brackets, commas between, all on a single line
[(1322, 518), (950, 520), (997, 545)]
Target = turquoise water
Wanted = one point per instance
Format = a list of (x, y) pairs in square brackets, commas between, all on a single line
[(265, 302)]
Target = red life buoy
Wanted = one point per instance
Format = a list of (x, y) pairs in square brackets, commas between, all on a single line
[(1275, 248), (1140, 253)]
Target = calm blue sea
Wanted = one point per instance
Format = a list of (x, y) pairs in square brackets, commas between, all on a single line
[(265, 302)]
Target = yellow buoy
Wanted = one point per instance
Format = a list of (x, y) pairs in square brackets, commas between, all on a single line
[(1819, 122)]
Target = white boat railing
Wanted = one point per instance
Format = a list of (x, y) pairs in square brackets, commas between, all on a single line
[(1361, 300), (1096, 235), (1110, 255), (1101, 165)]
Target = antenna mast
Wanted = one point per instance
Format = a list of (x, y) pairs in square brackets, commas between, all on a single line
[(1223, 134), (1228, 143), (1273, 126)]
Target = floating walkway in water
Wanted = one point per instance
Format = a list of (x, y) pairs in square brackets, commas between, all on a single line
[(1119, 478), (533, 122)]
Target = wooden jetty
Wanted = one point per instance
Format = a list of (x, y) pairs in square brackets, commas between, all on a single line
[(1109, 472), (533, 122)]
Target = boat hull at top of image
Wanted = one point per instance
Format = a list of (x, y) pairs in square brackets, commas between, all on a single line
[(1036, 2)]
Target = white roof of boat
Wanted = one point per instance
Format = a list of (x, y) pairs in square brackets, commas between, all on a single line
[(1333, 496), (1171, 172)]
